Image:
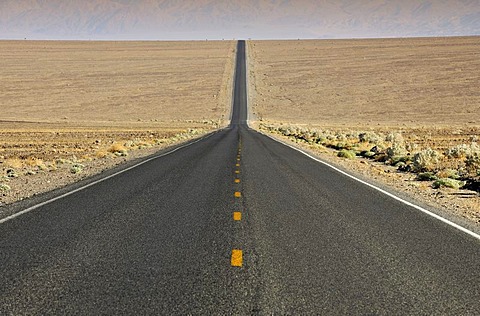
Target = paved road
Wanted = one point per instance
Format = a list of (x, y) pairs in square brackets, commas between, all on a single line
[(160, 239)]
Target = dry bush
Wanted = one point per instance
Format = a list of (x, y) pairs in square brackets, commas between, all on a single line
[(76, 168), (426, 160), (370, 137), (449, 183), (118, 149), (472, 163), (13, 162), (462, 151), (349, 154), (102, 154), (395, 138), (448, 173), (396, 150), (4, 187), (37, 163)]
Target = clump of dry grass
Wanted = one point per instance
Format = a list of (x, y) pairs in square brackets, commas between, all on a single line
[(102, 154), (13, 162), (118, 149)]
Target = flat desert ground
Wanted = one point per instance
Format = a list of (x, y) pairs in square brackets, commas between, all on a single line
[(388, 82), (69, 109), (414, 96)]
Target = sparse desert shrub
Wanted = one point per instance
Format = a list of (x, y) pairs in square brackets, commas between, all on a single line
[(118, 150), (426, 176), (472, 163), (62, 161), (35, 162), (411, 147), (13, 162), (130, 143), (349, 154), (76, 168), (396, 160), (102, 154), (42, 167), (395, 138), (367, 154), (341, 137), (52, 167), (449, 173), (4, 187), (341, 145), (449, 183), (426, 160), (370, 137), (462, 151), (396, 150)]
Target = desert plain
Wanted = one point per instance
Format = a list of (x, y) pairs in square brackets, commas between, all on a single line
[(400, 112), (69, 109)]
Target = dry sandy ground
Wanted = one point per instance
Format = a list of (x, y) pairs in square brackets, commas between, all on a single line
[(73, 109), (425, 89), (412, 82), (114, 81)]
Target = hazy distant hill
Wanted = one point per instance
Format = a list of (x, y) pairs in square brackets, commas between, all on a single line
[(230, 18)]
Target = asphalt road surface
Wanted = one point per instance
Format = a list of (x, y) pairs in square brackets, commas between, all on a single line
[(235, 224)]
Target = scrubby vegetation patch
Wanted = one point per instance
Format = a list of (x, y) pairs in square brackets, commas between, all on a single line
[(456, 167)]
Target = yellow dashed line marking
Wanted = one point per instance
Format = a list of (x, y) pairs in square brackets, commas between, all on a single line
[(237, 180), (237, 216), (238, 159), (238, 194), (237, 258), (237, 171), (237, 165)]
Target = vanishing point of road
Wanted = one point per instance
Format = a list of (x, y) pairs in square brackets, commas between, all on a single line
[(235, 223)]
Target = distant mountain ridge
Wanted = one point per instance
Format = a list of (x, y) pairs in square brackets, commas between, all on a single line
[(163, 19)]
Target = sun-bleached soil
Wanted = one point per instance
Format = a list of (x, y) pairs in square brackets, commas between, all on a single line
[(378, 82), (72, 109), (325, 95), (114, 81)]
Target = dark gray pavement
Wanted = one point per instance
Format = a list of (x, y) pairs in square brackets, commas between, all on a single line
[(158, 239)]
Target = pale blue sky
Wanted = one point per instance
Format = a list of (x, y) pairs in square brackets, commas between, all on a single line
[(213, 19)]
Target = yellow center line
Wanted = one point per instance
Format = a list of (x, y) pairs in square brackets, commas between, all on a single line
[(237, 216), (237, 165), (238, 194), (237, 171), (237, 180), (237, 258)]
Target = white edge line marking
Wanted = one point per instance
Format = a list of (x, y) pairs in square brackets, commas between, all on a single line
[(103, 179), (446, 221)]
